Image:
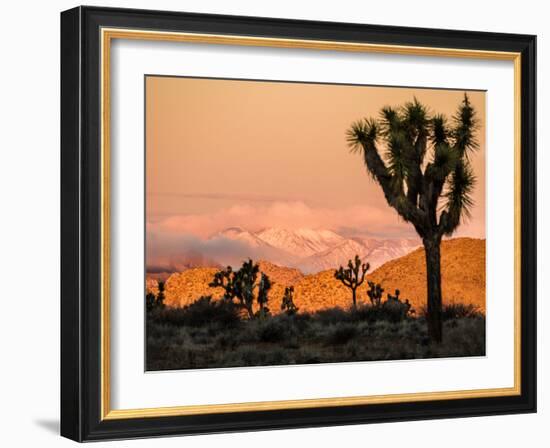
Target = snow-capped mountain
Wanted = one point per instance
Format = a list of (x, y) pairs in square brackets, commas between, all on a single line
[(242, 235), (302, 242), (372, 250), (334, 256), (394, 248), (316, 250)]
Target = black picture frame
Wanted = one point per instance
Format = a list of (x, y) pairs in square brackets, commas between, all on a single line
[(81, 212)]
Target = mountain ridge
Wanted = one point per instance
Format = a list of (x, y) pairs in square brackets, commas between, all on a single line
[(310, 250)]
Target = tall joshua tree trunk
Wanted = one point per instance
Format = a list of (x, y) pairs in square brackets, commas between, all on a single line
[(425, 175), (432, 249)]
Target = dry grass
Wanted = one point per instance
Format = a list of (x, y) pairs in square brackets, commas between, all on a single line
[(183, 339)]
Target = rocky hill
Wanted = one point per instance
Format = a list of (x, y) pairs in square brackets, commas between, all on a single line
[(462, 273), (463, 280)]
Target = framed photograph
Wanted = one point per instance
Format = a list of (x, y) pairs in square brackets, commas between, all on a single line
[(272, 223)]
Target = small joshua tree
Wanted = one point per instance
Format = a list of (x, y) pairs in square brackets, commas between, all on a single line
[(287, 304), (263, 288), (240, 285), (375, 293), (160, 296), (353, 276), (153, 302)]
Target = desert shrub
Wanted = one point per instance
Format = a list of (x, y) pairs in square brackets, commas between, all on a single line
[(271, 330), (460, 310), (341, 333), (250, 356), (301, 317), (162, 331), (391, 311), (367, 313), (330, 316), (353, 349), (411, 329), (226, 341), (463, 337), (457, 310), (200, 335), (382, 329), (310, 356), (396, 310), (210, 334), (204, 311)]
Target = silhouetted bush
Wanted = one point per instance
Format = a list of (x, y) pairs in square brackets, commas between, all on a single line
[(457, 311), (341, 333), (250, 356), (391, 311), (271, 331), (216, 333), (331, 315), (203, 311)]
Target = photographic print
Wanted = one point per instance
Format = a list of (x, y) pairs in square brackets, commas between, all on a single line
[(300, 223), (268, 203)]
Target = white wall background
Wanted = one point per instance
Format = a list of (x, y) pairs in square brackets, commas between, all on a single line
[(29, 228)]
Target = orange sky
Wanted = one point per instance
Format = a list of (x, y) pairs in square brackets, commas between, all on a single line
[(222, 153)]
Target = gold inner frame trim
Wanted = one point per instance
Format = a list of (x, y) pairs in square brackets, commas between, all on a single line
[(107, 35)]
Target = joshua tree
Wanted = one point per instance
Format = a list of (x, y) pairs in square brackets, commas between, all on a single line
[(153, 301), (425, 175), (224, 279), (375, 293), (287, 304), (263, 288), (353, 276), (240, 285), (160, 296), (150, 300)]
